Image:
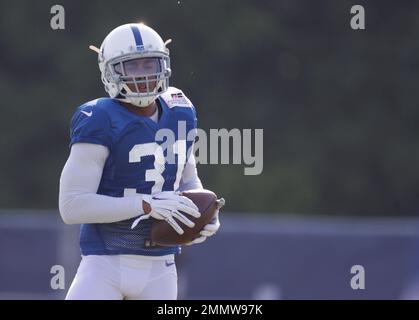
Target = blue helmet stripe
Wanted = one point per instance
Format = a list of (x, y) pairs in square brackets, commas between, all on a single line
[(137, 36)]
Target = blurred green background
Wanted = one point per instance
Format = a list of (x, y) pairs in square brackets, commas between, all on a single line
[(339, 107)]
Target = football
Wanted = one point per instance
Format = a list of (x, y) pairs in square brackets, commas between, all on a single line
[(164, 235)]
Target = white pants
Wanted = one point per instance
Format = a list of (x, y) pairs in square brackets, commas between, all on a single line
[(129, 277)]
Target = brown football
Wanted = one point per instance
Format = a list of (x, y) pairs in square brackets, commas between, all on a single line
[(164, 235)]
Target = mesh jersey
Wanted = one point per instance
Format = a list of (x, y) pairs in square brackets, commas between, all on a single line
[(137, 162)]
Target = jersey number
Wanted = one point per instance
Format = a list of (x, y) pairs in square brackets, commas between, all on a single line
[(155, 174)]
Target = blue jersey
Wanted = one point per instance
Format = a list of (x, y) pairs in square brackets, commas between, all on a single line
[(137, 163)]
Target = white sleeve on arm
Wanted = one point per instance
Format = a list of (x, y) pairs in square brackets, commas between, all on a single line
[(78, 201), (190, 179)]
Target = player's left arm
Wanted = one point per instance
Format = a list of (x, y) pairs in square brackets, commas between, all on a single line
[(190, 180)]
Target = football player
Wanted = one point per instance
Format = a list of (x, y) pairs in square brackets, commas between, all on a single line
[(117, 171)]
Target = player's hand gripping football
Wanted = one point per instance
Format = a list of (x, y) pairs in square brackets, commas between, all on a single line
[(167, 205), (211, 228)]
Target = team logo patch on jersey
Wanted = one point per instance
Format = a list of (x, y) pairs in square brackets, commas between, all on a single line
[(178, 100), (177, 95)]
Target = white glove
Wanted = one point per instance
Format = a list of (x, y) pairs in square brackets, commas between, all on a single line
[(166, 206), (211, 228)]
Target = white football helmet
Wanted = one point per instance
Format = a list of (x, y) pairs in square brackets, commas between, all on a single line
[(135, 64)]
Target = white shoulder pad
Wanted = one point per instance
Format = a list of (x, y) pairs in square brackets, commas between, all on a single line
[(174, 97)]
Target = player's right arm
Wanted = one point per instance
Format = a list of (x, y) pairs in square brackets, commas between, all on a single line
[(91, 140), (79, 182), (79, 203)]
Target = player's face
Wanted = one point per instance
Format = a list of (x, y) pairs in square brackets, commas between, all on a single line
[(139, 68)]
